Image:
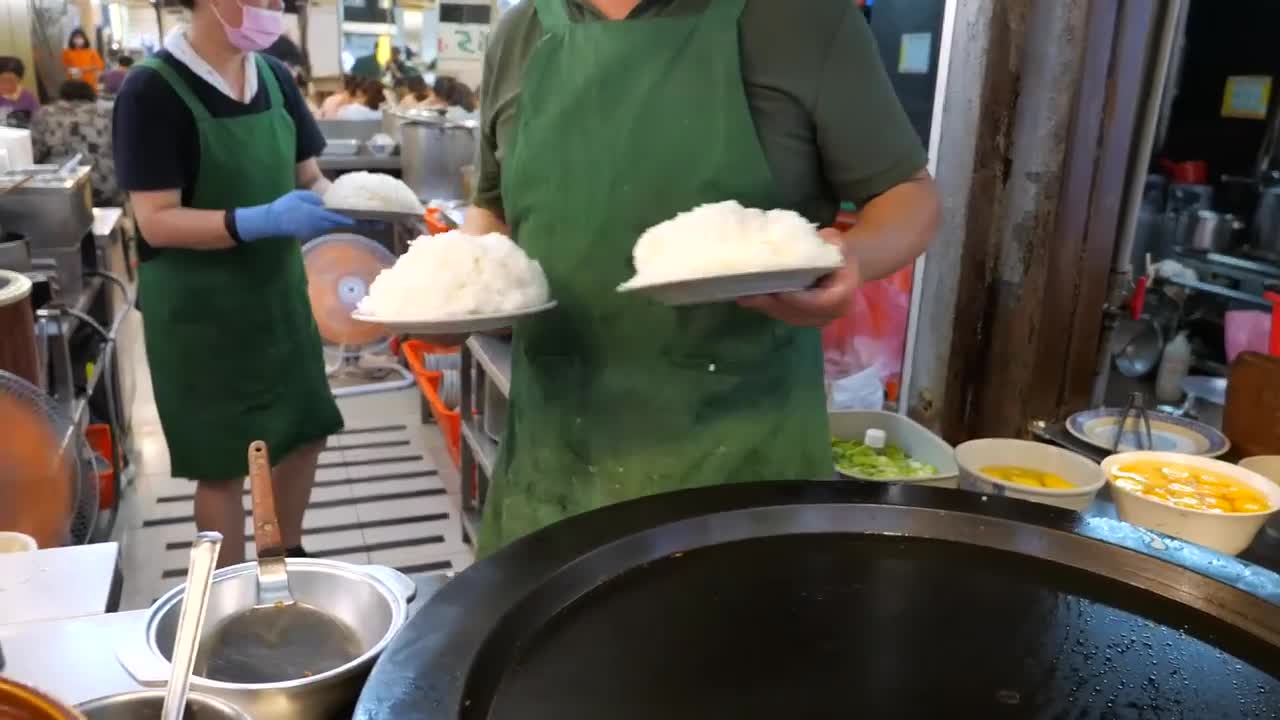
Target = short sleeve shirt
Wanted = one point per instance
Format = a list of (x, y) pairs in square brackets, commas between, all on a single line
[(156, 143), (827, 117)]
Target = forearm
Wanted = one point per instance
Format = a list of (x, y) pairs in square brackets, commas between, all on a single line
[(895, 228), (482, 221), (186, 228)]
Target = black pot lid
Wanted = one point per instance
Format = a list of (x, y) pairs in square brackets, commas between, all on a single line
[(838, 600)]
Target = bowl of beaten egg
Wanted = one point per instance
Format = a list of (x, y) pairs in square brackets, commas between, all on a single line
[(1207, 502), (1029, 471)]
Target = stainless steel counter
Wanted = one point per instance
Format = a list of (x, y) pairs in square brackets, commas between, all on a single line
[(57, 583), (72, 660), (344, 163)]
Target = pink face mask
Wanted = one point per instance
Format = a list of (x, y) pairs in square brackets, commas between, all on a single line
[(259, 27)]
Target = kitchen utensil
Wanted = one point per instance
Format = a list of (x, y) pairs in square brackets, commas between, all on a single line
[(1099, 427), (726, 288), (145, 705), (1212, 232), (1268, 466), (1076, 469), (1266, 222), (1228, 533), (372, 600), (341, 147), (20, 702), (1136, 346), (15, 252), (835, 600), (433, 151), (454, 326), (273, 576), (19, 353), (915, 440), (391, 216), (204, 557), (1253, 405)]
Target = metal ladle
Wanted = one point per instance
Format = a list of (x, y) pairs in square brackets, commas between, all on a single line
[(195, 602)]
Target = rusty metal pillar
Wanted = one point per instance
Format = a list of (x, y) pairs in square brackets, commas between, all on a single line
[(1015, 69)]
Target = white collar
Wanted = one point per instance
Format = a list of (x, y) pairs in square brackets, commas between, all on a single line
[(180, 48)]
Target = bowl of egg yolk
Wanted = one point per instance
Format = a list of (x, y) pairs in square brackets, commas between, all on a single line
[(1208, 502), (1029, 471)]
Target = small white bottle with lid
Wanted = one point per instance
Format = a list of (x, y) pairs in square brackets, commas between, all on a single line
[(875, 438)]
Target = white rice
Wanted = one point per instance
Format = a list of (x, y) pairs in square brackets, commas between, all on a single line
[(455, 275), (372, 191), (726, 239)]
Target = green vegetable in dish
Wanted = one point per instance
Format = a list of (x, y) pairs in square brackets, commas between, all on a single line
[(891, 463)]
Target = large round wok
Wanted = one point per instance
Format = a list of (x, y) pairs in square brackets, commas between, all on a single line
[(838, 600)]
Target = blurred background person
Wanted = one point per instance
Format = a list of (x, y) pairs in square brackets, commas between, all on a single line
[(77, 123), (14, 98), (366, 102), (81, 60), (331, 105), (114, 78), (418, 96)]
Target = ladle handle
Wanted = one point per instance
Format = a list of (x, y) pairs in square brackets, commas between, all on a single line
[(195, 603), (266, 527)]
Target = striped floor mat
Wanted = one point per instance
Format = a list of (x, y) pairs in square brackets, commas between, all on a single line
[(378, 499)]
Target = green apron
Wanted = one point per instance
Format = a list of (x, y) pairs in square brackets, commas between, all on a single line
[(234, 351), (623, 125)]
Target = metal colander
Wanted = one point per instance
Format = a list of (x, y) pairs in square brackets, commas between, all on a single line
[(83, 476)]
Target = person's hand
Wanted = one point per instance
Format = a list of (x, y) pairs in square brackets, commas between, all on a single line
[(298, 214), (825, 302)]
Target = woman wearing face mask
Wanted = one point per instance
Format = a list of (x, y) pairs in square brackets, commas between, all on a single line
[(81, 61), (217, 149)]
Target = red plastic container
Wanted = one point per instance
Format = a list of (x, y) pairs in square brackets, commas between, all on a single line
[(99, 437), (450, 421)]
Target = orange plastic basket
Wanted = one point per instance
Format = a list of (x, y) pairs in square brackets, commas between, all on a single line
[(436, 224), (450, 421), (99, 437)]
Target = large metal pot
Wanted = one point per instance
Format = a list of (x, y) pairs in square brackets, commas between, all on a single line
[(147, 705), (433, 151), (372, 600)]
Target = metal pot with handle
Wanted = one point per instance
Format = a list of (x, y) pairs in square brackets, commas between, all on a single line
[(433, 151), (372, 600)]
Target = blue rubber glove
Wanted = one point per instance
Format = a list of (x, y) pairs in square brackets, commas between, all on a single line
[(299, 214)]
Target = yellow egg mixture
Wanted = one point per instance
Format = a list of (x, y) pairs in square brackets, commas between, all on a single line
[(1026, 476), (1189, 487)]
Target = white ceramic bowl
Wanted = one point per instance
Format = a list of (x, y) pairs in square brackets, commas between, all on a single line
[(16, 542), (1268, 466), (1076, 469), (1228, 533)]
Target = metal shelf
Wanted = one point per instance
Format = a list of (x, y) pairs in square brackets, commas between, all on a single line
[(484, 449), (494, 355)]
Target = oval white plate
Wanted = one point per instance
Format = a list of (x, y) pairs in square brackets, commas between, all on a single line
[(454, 326), (381, 215), (725, 288)]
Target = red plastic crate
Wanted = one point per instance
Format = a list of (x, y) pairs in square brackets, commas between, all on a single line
[(450, 421)]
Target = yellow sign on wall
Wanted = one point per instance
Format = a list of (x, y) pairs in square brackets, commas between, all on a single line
[(1247, 97)]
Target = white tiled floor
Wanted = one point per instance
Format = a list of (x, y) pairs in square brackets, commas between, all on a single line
[(398, 471)]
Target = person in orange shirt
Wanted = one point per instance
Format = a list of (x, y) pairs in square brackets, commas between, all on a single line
[(81, 61)]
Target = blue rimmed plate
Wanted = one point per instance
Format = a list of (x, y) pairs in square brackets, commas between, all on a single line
[(1168, 433)]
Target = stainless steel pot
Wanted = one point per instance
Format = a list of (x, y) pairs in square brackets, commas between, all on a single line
[(1266, 222), (1212, 232), (433, 151), (146, 705), (371, 599)]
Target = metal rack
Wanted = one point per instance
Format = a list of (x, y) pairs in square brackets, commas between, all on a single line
[(486, 381)]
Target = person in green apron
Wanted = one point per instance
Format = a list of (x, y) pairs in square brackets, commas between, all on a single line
[(602, 118), (218, 152)]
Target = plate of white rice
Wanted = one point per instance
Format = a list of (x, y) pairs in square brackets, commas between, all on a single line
[(373, 196), (455, 283), (723, 251)]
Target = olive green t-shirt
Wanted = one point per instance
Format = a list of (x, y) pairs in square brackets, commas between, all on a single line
[(828, 119)]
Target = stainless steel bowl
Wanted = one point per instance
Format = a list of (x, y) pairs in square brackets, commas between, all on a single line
[(147, 704), (372, 600), (342, 147)]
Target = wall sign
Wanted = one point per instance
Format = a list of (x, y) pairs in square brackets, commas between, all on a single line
[(464, 37), (1247, 97)]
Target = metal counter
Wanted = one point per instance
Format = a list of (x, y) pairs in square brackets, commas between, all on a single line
[(72, 660), (57, 583)]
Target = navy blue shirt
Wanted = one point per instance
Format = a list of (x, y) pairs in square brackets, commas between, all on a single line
[(154, 133)]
